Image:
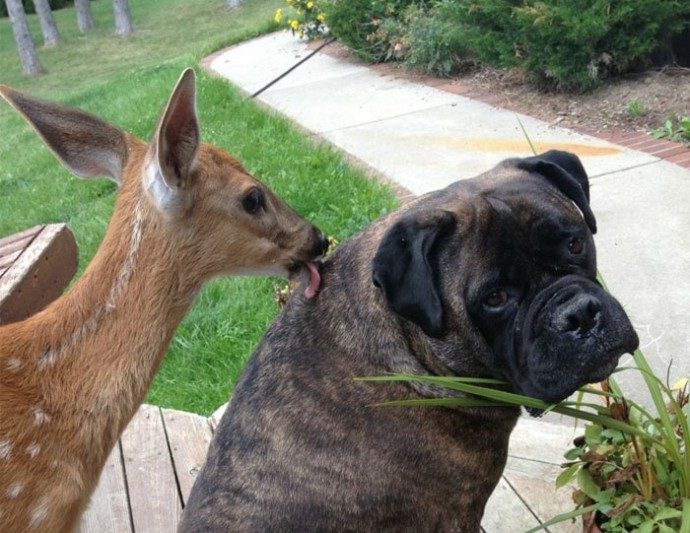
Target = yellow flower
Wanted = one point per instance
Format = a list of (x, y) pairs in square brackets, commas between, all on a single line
[(279, 16), (294, 24), (321, 17), (289, 2), (310, 5), (680, 384)]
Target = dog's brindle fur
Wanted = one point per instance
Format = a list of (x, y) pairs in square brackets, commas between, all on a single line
[(489, 277)]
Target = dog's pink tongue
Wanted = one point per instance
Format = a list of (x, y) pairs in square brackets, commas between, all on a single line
[(314, 280)]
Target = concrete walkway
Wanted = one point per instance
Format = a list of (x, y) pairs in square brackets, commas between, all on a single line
[(423, 138)]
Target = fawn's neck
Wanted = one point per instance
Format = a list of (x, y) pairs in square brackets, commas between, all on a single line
[(104, 340)]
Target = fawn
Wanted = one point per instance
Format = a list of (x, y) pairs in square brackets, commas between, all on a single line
[(73, 375)]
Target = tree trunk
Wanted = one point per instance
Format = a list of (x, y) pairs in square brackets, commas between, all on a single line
[(123, 19), (85, 19), (22, 36), (51, 37), (234, 3)]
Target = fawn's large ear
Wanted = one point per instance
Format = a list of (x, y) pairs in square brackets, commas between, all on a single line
[(405, 271), (87, 146), (565, 171), (175, 147)]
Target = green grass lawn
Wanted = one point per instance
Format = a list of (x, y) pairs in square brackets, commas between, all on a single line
[(126, 81)]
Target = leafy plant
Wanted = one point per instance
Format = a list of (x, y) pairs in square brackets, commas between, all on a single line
[(433, 43), (678, 131), (373, 29), (635, 478), (635, 108), (309, 19), (356, 23)]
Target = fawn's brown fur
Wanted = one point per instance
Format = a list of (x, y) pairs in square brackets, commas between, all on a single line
[(73, 375)]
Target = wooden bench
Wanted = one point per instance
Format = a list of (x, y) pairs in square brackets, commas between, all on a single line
[(35, 267)]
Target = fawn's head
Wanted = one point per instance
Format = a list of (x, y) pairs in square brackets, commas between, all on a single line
[(206, 207)]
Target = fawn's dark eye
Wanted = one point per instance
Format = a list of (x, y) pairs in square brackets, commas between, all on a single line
[(576, 246), (254, 201), (496, 299)]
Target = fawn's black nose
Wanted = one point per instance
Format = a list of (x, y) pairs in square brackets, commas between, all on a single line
[(320, 244)]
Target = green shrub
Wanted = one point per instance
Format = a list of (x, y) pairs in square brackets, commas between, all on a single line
[(571, 45), (486, 28), (565, 45), (574, 45), (355, 23), (370, 28), (432, 43)]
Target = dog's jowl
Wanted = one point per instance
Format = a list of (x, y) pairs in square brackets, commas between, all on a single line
[(490, 277)]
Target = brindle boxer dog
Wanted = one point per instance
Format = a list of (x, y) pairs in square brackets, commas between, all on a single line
[(490, 277)]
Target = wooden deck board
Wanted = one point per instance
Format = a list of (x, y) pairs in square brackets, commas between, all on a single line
[(153, 494), (188, 438), (109, 504)]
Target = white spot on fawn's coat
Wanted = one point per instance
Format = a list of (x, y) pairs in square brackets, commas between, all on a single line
[(40, 512), (40, 416), (14, 364), (33, 449), (5, 449), (14, 489)]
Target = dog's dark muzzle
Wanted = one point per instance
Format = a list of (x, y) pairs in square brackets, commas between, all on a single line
[(574, 334)]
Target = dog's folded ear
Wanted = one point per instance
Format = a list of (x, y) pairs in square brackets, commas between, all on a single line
[(404, 268), (565, 171)]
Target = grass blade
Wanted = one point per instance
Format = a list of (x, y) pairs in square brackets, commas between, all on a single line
[(565, 516)]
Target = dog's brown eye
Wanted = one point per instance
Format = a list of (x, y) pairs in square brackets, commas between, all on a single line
[(253, 201), (576, 245), (496, 299)]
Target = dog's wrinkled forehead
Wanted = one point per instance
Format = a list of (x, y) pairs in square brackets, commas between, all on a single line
[(564, 172), (551, 182)]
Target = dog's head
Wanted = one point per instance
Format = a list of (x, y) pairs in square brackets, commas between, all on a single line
[(507, 260)]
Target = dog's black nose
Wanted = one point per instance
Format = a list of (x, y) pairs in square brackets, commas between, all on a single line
[(579, 315)]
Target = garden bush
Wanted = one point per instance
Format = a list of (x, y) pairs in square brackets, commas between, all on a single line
[(571, 45), (564, 45), (372, 29), (431, 43)]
